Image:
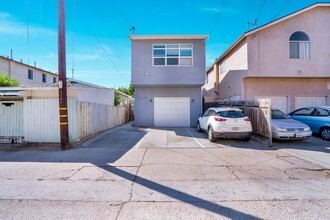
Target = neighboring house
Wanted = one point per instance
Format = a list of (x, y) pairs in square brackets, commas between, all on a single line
[(31, 114), (287, 60), (25, 74), (125, 99), (168, 72), (100, 94)]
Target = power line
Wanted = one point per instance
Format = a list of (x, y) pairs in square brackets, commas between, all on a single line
[(218, 16), (262, 6), (106, 21), (106, 53), (122, 14), (27, 31), (73, 36), (40, 21), (280, 11)]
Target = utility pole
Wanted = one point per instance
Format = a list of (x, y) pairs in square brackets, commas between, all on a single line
[(62, 89)]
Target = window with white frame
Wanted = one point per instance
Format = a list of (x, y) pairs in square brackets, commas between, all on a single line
[(172, 55), (223, 67), (300, 46)]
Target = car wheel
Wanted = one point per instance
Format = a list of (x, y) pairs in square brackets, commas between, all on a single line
[(210, 134), (246, 139), (325, 133), (199, 127)]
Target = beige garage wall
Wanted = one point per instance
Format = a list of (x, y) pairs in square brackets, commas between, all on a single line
[(290, 87)]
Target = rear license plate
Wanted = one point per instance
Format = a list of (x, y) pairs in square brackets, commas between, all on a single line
[(235, 128)]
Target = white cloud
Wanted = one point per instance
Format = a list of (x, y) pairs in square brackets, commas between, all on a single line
[(4, 15), (225, 11), (8, 25)]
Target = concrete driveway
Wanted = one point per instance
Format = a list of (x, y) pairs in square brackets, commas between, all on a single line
[(143, 173), (314, 149)]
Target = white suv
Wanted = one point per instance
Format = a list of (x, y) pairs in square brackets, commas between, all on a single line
[(225, 123)]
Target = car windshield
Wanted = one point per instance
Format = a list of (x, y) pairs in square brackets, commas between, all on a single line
[(231, 114), (277, 114)]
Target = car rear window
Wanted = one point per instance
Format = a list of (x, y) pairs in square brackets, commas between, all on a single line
[(231, 114), (277, 114)]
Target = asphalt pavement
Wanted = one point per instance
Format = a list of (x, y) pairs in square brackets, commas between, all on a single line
[(165, 173)]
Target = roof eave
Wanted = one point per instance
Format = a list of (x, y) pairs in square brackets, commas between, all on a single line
[(168, 37)]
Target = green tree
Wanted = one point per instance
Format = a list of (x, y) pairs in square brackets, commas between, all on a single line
[(129, 90), (5, 81), (117, 98)]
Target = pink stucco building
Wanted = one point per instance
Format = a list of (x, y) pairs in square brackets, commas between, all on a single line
[(287, 60)]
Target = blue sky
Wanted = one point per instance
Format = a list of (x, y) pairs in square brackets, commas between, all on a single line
[(98, 47)]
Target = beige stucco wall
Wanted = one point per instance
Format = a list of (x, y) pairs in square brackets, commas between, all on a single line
[(19, 71), (209, 87), (232, 84), (290, 87), (231, 80), (268, 49)]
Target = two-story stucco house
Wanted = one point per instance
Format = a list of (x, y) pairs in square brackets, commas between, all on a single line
[(287, 60), (168, 72), (26, 75)]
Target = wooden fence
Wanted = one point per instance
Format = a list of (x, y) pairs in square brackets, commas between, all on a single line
[(259, 112)]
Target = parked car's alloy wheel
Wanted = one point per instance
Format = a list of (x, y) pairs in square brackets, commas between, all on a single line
[(210, 134), (325, 133), (199, 127)]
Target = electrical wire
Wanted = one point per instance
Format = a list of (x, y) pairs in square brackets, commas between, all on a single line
[(73, 36), (106, 21), (106, 53), (280, 11), (218, 16), (122, 14), (40, 21), (27, 31), (262, 6)]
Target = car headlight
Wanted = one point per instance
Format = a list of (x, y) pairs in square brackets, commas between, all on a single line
[(281, 129), (306, 128)]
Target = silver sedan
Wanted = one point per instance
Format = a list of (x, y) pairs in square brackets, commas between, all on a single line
[(285, 128)]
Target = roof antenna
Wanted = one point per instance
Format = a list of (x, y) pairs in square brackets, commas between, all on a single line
[(252, 24), (132, 29)]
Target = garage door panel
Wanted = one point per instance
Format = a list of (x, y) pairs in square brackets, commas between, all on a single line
[(172, 112), (302, 101), (278, 102)]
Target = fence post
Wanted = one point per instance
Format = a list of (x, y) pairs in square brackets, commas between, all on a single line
[(269, 123)]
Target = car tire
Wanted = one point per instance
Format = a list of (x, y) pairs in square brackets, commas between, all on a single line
[(325, 133), (199, 127), (210, 134), (246, 139)]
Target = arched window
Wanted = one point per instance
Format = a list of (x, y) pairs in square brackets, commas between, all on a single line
[(300, 46)]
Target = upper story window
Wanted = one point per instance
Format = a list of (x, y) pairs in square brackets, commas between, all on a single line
[(223, 67), (30, 74), (54, 79), (44, 78), (300, 46), (172, 55)]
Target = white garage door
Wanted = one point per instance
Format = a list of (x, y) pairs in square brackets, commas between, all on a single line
[(309, 101), (278, 102), (172, 112)]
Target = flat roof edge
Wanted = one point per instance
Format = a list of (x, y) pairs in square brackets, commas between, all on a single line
[(168, 37)]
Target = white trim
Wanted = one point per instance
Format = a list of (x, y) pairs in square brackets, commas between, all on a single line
[(168, 37)]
